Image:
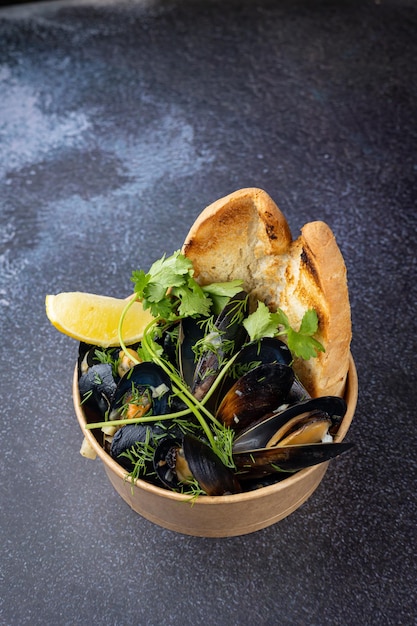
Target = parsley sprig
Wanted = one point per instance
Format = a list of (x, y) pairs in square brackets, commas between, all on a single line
[(170, 290), (263, 323)]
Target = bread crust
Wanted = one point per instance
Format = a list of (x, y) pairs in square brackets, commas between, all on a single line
[(321, 285), (245, 236)]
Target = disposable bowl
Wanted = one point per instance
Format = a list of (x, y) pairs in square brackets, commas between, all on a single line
[(218, 516)]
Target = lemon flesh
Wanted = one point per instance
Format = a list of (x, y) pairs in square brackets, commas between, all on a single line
[(95, 319)]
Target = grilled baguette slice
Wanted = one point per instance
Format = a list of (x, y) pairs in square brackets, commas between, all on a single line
[(245, 236)]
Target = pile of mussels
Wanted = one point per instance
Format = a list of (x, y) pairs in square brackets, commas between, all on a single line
[(278, 428)]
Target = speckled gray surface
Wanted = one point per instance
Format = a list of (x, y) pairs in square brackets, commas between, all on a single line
[(119, 122)]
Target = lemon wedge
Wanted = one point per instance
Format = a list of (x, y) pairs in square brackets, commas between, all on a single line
[(95, 319)]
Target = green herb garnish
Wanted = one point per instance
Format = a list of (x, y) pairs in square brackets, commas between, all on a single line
[(263, 323), (107, 356)]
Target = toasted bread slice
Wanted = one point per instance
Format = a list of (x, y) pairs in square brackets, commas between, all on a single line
[(245, 236)]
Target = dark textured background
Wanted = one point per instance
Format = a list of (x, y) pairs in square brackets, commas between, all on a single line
[(119, 122)]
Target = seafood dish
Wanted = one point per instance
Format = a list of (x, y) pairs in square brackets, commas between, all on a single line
[(214, 414), (236, 380)]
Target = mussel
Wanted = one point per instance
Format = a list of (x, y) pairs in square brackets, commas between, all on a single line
[(294, 438), (255, 394), (97, 387), (265, 350), (99, 371), (264, 461), (255, 353), (272, 427), (190, 332), (134, 445), (226, 337), (144, 390), (178, 462)]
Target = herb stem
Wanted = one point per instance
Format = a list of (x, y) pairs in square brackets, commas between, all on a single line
[(137, 420), (187, 397), (194, 408), (120, 326)]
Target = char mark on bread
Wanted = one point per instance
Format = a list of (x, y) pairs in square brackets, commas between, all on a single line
[(308, 263)]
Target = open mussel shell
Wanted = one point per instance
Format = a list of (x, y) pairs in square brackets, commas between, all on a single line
[(255, 394), (147, 379), (256, 463), (177, 462), (98, 378), (168, 452), (211, 474), (228, 331), (263, 432)]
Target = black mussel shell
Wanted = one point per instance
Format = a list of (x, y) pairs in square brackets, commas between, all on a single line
[(164, 462), (298, 392), (130, 435), (97, 387), (266, 350), (261, 432), (265, 480), (271, 350), (253, 354), (210, 472), (257, 393), (146, 377), (255, 463), (196, 460), (169, 342), (231, 332)]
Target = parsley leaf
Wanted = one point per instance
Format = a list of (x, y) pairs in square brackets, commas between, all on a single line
[(303, 345), (141, 280), (169, 289), (220, 293), (263, 323), (193, 301), (260, 323)]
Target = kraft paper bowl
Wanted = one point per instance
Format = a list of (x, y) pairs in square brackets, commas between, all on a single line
[(218, 516)]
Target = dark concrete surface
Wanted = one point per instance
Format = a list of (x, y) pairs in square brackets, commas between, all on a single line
[(119, 122)]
